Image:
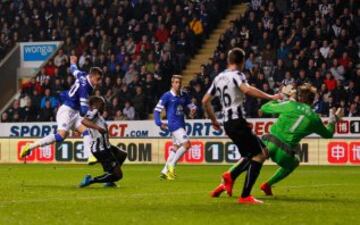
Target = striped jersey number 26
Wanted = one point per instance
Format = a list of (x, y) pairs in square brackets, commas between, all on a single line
[(224, 96)]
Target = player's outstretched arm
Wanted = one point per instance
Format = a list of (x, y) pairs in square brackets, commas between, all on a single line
[(254, 92), (73, 66), (90, 124), (88, 121), (329, 130), (208, 109), (325, 131), (289, 92), (274, 107), (74, 69)]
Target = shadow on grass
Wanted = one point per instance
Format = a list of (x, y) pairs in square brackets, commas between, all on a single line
[(305, 199), (54, 187)]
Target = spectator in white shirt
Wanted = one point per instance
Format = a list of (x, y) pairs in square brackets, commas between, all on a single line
[(129, 111), (288, 79), (325, 8), (325, 49), (60, 57)]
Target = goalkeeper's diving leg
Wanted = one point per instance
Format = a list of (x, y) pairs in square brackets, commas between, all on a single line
[(287, 163)]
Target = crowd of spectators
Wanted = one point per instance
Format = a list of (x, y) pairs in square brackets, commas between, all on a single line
[(293, 42), (139, 44)]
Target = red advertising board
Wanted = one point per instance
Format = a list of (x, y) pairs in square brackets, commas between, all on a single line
[(354, 148), (344, 152), (20, 146), (41, 154), (194, 155), (343, 127), (337, 152)]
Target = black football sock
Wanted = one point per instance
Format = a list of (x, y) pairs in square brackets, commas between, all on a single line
[(105, 178), (251, 176), (239, 167)]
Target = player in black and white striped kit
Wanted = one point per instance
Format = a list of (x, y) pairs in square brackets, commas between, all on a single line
[(110, 157), (231, 87), (100, 139)]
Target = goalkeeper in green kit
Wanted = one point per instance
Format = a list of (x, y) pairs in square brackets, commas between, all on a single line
[(296, 120)]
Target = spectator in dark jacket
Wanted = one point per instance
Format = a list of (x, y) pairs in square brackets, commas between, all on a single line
[(47, 113)]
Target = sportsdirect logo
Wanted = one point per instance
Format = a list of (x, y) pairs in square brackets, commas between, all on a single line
[(347, 128), (122, 130), (32, 131), (196, 130)]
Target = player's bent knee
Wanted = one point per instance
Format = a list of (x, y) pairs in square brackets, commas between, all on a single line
[(119, 154), (120, 175), (187, 145), (117, 174), (291, 165), (62, 133), (117, 177), (261, 157), (60, 136), (266, 153), (296, 164), (81, 128)]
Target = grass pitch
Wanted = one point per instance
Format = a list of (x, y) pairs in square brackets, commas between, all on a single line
[(48, 194)]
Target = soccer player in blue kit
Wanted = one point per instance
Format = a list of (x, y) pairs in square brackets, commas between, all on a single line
[(74, 107), (174, 102)]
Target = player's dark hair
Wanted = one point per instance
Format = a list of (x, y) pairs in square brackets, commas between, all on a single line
[(96, 70), (97, 103), (236, 56), (306, 93)]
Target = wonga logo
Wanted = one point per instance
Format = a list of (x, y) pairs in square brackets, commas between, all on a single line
[(337, 152), (38, 52)]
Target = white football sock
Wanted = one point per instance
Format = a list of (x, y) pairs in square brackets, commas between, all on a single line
[(169, 159), (49, 139), (180, 152)]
